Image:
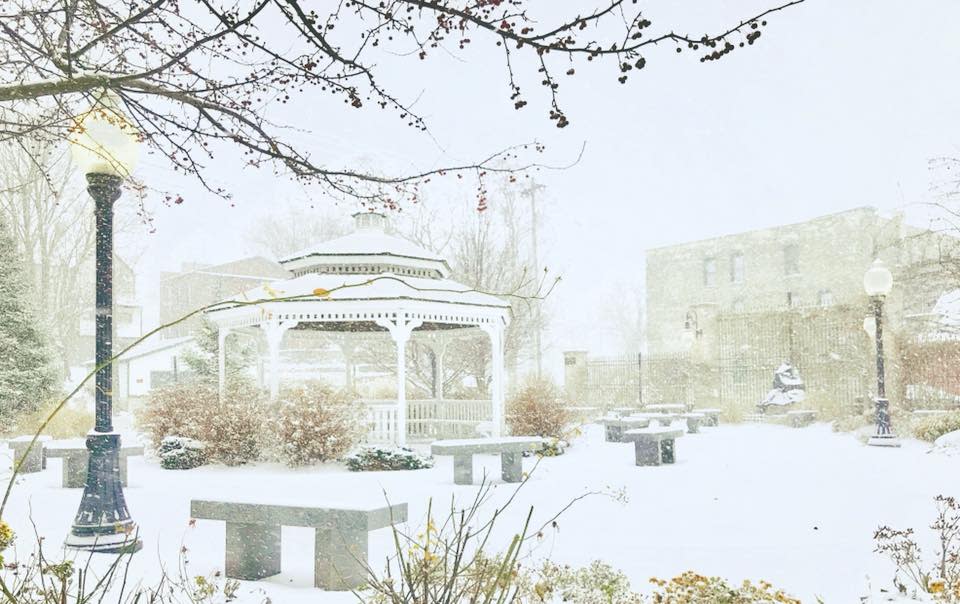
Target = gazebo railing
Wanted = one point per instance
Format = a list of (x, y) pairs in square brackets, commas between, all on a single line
[(427, 419)]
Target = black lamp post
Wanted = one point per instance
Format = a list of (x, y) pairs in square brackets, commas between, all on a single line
[(105, 145), (877, 282)]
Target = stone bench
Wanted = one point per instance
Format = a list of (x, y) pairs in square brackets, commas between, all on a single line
[(76, 459), (711, 416), (654, 446), (35, 459), (614, 427), (665, 408), (694, 421), (341, 538), (510, 449), (801, 417), (664, 419)]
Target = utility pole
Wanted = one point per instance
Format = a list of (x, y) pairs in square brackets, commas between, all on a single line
[(531, 192)]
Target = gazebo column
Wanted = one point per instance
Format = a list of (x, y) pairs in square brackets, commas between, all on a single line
[(438, 347), (222, 333), (274, 331), (400, 330), (497, 386)]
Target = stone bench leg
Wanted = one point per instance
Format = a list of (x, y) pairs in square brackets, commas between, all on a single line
[(693, 426), (667, 451), (75, 470), (340, 558), (463, 469), (511, 467), (647, 452), (253, 551), (614, 434), (34, 458)]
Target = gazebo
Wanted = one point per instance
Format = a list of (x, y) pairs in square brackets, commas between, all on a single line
[(373, 281)]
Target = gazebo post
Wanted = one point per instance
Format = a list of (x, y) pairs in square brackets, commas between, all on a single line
[(222, 333), (274, 331), (400, 330), (438, 347), (495, 333)]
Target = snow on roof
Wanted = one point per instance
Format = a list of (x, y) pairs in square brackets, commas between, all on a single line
[(947, 308), (384, 286), (366, 243)]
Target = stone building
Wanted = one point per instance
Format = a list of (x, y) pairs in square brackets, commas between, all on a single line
[(198, 285), (738, 305)]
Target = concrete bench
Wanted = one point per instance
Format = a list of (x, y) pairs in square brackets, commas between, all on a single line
[(801, 417), (694, 421), (76, 459), (510, 449), (614, 427), (342, 534), (712, 416), (35, 460), (665, 408), (654, 446), (664, 419)]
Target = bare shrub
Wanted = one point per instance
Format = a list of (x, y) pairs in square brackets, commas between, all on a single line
[(316, 423), (933, 427), (942, 579), (538, 410), (231, 430)]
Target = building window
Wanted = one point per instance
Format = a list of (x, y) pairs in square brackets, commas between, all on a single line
[(791, 299), (738, 305), (710, 272), (736, 268), (791, 259), (825, 297)]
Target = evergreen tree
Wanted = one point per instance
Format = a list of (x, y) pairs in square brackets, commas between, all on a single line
[(27, 377), (203, 362)]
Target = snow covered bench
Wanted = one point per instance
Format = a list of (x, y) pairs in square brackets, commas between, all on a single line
[(801, 417), (654, 446), (35, 460), (664, 419), (665, 408), (694, 421), (614, 427), (510, 449), (76, 459), (712, 416), (340, 552)]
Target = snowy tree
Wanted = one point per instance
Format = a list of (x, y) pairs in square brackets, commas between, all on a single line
[(26, 378), (203, 362)]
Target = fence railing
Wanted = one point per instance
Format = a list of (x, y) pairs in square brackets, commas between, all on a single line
[(427, 419)]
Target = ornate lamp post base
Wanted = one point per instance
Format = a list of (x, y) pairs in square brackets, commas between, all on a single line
[(884, 436), (103, 523)]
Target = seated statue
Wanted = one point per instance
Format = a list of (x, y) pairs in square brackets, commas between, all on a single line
[(787, 389)]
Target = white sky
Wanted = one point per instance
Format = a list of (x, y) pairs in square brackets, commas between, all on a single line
[(840, 104)]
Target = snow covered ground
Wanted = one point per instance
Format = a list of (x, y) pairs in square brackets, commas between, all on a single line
[(796, 507)]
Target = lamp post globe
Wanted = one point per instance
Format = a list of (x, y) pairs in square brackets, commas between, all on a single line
[(105, 145), (877, 283)]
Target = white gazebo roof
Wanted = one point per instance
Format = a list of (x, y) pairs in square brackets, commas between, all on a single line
[(369, 249)]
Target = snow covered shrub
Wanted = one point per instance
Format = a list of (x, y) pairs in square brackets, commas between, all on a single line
[(598, 582), (315, 423), (692, 588), (942, 580), (377, 459), (934, 426), (180, 453), (537, 410), (230, 430)]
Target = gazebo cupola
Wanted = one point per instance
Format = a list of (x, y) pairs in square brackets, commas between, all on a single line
[(370, 249), (374, 281)]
